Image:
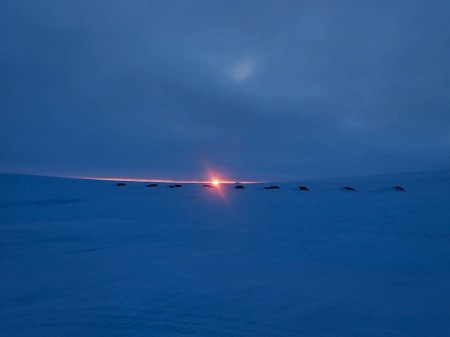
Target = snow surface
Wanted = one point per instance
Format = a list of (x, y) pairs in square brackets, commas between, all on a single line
[(87, 258)]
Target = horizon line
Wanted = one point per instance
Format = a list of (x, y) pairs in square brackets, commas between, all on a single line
[(147, 180)]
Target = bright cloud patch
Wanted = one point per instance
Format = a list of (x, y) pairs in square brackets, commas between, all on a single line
[(241, 70)]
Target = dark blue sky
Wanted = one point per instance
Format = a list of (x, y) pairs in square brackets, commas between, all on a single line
[(254, 89)]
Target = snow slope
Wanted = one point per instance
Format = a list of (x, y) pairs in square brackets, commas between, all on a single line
[(87, 258)]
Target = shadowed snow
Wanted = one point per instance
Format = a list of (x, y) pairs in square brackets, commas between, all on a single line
[(85, 258)]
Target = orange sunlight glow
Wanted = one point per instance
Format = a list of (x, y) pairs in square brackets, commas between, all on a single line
[(158, 180), (216, 178)]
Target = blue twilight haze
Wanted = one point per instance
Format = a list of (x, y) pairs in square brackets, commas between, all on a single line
[(252, 89)]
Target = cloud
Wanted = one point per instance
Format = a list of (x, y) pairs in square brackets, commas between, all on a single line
[(241, 70), (261, 89)]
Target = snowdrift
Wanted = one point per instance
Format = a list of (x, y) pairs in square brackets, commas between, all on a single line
[(88, 258)]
